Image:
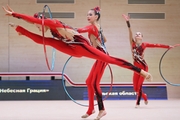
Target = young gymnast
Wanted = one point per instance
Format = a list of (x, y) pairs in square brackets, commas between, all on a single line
[(137, 49), (97, 40)]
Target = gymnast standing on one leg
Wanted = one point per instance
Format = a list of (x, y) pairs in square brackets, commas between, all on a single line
[(137, 48), (93, 81)]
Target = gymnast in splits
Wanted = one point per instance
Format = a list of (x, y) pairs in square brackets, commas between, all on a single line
[(97, 40), (69, 41), (137, 49)]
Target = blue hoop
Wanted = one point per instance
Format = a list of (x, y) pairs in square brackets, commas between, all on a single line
[(63, 81), (54, 50), (170, 83)]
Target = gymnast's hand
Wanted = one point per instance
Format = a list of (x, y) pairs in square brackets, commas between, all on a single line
[(8, 11), (126, 17), (14, 26)]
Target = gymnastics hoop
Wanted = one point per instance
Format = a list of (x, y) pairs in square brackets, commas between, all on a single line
[(44, 46), (167, 81), (63, 81)]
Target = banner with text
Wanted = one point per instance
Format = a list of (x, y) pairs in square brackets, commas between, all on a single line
[(53, 90)]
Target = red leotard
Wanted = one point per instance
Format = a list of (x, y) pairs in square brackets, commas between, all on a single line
[(93, 80), (138, 56), (92, 30)]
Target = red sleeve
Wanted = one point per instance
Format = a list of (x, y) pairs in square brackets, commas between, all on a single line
[(156, 45), (47, 22), (133, 44), (85, 29)]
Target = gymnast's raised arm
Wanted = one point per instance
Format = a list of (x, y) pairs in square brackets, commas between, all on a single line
[(47, 22), (129, 28)]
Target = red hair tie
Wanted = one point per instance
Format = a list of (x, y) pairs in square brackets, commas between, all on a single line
[(36, 15), (97, 9)]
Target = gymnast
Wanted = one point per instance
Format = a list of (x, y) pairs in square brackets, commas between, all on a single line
[(97, 40), (137, 49)]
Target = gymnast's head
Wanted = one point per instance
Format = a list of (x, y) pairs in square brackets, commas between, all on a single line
[(138, 37), (40, 16), (93, 15)]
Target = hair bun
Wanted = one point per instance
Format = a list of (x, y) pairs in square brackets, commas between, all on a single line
[(39, 15), (97, 9), (36, 15)]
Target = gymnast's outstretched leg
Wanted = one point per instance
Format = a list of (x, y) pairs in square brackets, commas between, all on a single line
[(79, 50), (58, 44), (90, 52)]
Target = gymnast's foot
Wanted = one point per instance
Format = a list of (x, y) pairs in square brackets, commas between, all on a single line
[(149, 77), (146, 75), (14, 26), (87, 115), (145, 102), (145, 99), (137, 106), (101, 114)]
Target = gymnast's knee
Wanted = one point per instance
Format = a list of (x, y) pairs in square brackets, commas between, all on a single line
[(89, 83), (135, 89)]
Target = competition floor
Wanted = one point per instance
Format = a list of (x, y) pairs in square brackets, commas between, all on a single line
[(68, 110)]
